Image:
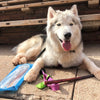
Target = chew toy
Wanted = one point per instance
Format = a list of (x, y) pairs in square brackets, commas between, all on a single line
[(15, 78), (46, 77), (68, 80)]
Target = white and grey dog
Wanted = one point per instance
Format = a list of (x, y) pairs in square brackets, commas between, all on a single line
[(63, 45)]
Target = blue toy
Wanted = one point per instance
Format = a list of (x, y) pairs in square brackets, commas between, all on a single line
[(15, 78)]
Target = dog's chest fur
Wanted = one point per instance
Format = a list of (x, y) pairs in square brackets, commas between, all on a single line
[(70, 59), (66, 59)]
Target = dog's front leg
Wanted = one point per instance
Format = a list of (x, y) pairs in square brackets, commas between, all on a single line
[(91, 67), (33, 73)]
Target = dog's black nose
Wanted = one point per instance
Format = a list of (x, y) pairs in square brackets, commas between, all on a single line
[(67, 35)]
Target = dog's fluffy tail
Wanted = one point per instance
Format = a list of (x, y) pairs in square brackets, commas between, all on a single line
[(14, 49)]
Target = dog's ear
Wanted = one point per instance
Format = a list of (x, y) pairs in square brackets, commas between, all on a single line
[(51, 13), (74, 10)]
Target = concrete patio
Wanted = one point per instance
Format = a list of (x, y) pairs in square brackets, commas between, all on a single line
[(87, 89)]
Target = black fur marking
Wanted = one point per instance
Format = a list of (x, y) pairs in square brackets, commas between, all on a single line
[(41, 53), (43, 36), (74, 21), (53, 24)]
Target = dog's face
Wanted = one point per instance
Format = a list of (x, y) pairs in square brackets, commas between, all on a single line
[(65, 26)]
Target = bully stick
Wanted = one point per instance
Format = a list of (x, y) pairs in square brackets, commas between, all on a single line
[(69, 79)]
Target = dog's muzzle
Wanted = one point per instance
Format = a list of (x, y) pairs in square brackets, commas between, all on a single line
[(66, 45)]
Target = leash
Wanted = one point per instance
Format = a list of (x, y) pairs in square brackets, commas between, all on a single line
[(41, 53)]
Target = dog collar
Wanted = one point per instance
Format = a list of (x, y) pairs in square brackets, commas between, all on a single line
[(72, 51)]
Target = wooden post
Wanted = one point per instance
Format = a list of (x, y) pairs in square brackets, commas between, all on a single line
[(27, 10), (93, 3), (87, 21), (4, 4), (41, 4)]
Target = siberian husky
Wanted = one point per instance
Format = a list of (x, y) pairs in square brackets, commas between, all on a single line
[(63, 45)]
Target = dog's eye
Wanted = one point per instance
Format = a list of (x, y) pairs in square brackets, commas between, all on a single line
[(58, 24), (71, 24)]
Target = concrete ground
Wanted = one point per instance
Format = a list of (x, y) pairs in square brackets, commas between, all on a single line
[(87, 89)]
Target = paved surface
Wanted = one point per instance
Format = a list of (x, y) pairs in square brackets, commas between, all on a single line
[(88, 89)]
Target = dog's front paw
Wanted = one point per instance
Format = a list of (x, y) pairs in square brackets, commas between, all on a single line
[(97, 74), (30, 76), (19, 59)]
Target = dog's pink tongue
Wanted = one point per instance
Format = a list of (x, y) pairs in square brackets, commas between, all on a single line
[(66, 45)]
